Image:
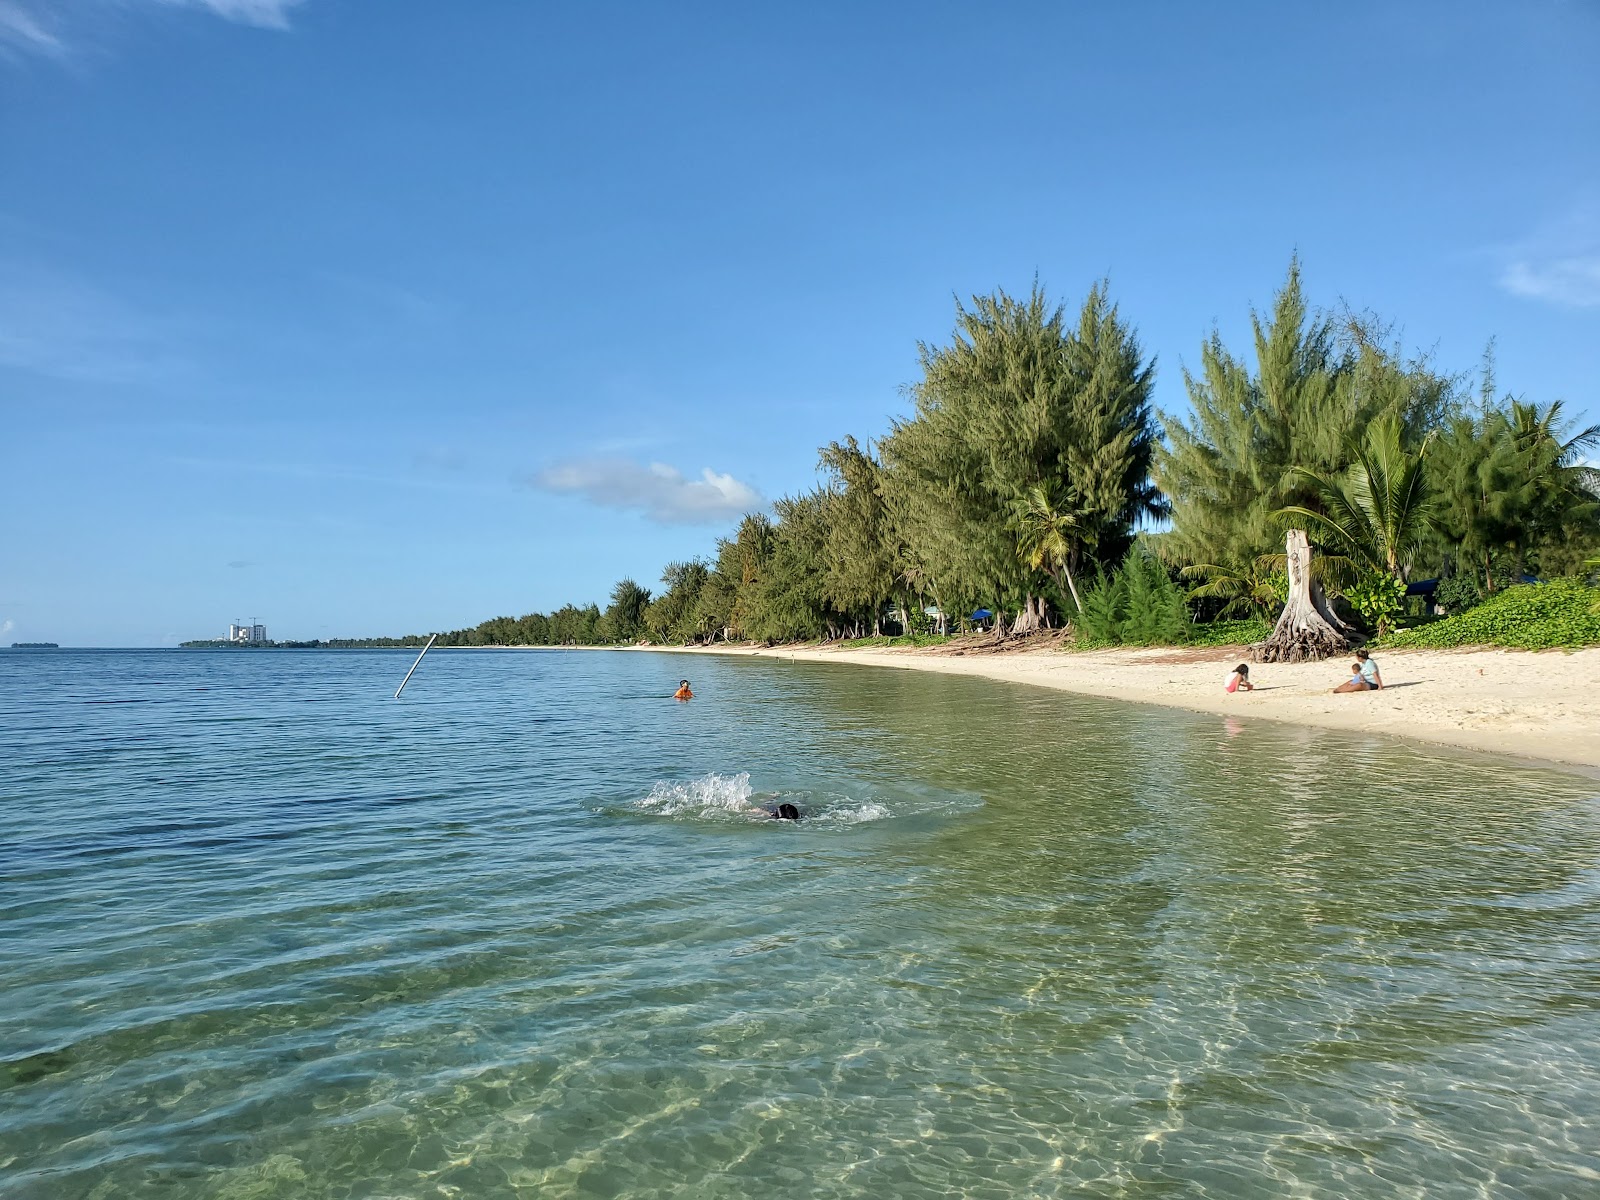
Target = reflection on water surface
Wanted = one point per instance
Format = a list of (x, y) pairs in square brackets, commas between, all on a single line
[(269, 933)]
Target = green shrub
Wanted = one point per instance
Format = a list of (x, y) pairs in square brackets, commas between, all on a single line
[(1458, 593), (904, 639), (1379, 598), (1105, 602), (1136, 605), (1140, 605), (1156, 615), (1530, 616), (1229, 633)]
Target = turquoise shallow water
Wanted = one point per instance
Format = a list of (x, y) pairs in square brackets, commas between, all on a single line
[(265, 932)]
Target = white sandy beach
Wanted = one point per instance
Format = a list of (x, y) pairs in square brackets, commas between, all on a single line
[(1542, 705)]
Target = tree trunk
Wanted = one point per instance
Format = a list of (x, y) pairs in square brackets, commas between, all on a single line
[(1028, 620), (1308, 630), (1072, 587)]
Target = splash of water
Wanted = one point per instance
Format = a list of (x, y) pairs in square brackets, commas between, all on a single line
[(714, 796), (707, 795)]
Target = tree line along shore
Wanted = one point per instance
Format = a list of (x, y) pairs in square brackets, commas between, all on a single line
[(1036, 483)]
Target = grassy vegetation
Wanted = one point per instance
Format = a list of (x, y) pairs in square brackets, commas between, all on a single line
[(1564, 612), (908, 639), (1213, 633), (1229, 633)]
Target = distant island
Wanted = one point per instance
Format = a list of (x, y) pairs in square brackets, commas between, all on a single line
[(35, 646)]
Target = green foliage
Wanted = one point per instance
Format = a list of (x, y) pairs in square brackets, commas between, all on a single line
[(572, 625), (858, 551), (675, 616), (1457, 594), (789, 601), (1022, 477), (1259, 588), (904, 639), (1155, 614), (1019, 405), (623, 620), (1527, 617), (1048, 534), (1229, 633), (1105, 605), (1256, 438), (1379, 512), (1512, 484), (1137, 605), (1379, 597)]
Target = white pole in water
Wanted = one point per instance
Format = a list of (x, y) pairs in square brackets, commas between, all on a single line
[(414, 666)]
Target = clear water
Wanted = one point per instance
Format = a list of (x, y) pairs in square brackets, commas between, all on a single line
[(265, 932)]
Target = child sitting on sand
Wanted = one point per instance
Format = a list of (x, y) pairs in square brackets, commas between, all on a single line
[(1239, 678), (1364, 676)]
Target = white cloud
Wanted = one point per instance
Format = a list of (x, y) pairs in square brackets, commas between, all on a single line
[(661, 492), (50, 26), (21, 29), (268, 14), (7, 626), (1572, 280), (1558, 262)]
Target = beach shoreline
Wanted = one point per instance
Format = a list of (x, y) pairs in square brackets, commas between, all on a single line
[(1542, 706)]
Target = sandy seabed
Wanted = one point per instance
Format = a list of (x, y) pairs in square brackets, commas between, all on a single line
[(1543, 705)]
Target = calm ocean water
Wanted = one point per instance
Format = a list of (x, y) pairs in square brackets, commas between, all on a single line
[(266, 932)]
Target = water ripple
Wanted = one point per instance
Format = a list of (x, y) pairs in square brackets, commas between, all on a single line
[(269, 933)]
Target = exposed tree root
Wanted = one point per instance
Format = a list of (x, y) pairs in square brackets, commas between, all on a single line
[(1308, 630)]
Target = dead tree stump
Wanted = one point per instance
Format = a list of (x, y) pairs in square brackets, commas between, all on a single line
[(1308, 630)]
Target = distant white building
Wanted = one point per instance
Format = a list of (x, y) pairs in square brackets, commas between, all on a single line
[(247, 633)]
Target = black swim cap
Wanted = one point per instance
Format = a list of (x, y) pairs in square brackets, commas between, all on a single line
[(787, 812)]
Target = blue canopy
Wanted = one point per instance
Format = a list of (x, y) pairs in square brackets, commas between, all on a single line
[(983, 614)]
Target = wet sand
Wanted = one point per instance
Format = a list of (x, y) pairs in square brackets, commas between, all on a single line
[(1542, 705)]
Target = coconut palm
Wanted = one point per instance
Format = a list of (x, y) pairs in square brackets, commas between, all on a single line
[(1561, 485), (1256, 587), (1050, 535), (1378, 511)]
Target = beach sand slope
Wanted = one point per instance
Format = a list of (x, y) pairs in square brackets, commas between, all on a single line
[(1542, 705)]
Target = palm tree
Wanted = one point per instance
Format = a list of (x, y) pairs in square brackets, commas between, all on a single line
[(1379, 511), (1562, 488), (1256, 587), (1050, 535)]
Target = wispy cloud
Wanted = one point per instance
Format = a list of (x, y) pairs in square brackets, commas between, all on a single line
[(7, 626), (1559, 263), (51, 27), (22, 30), (267, 14), (661, 492), (1572, 281)]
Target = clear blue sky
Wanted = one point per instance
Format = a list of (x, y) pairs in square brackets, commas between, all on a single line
[(371, 318)]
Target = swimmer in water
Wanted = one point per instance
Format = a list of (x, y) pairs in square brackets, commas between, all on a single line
[(683, 692), (778, 812)]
